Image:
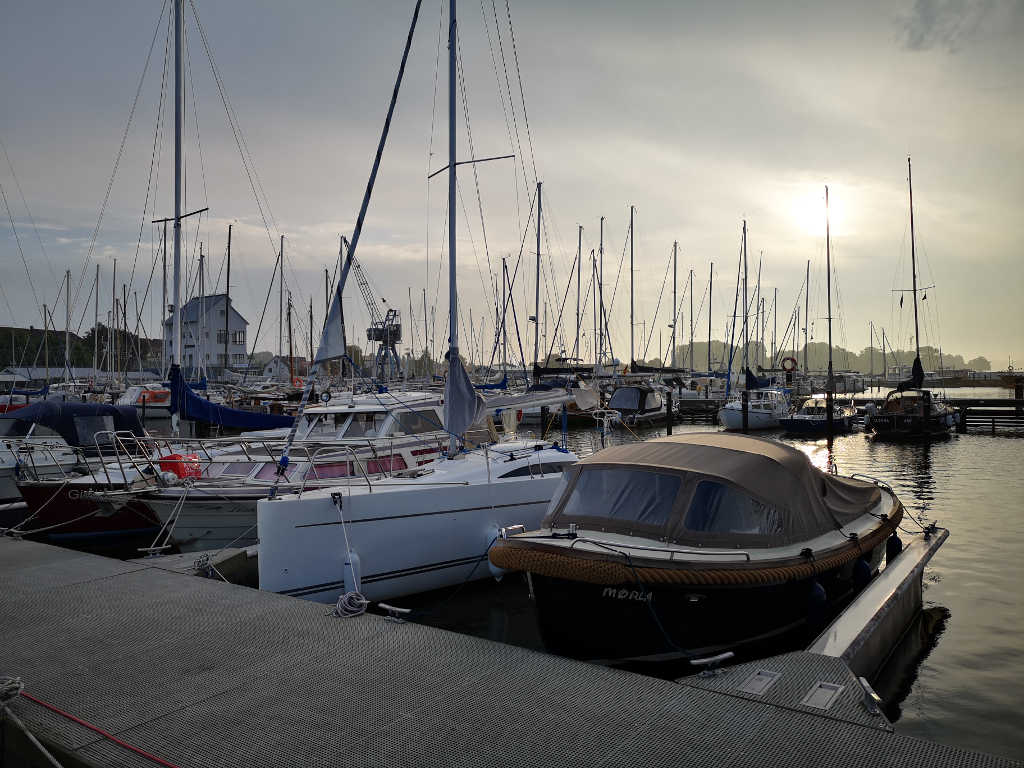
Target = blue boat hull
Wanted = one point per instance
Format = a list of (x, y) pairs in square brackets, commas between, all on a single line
[(816, 426)]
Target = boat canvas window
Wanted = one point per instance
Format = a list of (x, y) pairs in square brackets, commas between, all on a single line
[(416, 422), (536, 470), (720, 508), (653, 401), (628, 495), (86, 428), (625, 398)]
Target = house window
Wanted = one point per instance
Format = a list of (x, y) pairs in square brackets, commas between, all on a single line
[(222, 337), (238, 337), (238, 357)]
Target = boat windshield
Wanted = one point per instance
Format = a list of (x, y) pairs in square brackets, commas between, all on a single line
[(625, 398), (365, 425), (720, 508), (633, 495), (417, 422)]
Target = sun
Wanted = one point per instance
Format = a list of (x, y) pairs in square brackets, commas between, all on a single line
[(807, 209)]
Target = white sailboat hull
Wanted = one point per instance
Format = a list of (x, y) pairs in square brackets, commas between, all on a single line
[(402, 541), (732, 418)]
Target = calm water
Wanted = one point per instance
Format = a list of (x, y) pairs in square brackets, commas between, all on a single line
[(959, 679)]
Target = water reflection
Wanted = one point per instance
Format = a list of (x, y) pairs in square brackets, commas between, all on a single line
[(895, 680)]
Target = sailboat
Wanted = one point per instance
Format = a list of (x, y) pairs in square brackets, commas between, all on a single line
[(425, 528), (910, 411), (764, 406), (820, 415)]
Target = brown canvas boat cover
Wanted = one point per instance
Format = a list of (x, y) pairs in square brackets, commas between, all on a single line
[(800, 501)]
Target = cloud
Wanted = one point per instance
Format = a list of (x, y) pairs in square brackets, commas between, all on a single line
[(946, 23)]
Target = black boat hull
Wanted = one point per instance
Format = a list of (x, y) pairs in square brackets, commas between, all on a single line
[(630, 622)]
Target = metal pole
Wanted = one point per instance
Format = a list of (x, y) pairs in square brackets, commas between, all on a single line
[(830, 390), (913, 262), (745, 338), (46, 341), (711, 284), (112, 352), (691, 320), (675, 302), (96, 326), (631, 352), (227, 310), (600, 295), (504, 330), (579, 270), (775, 325), (164, 336), (280, 306), (453, 307), (179, 104), (536, 294), (67, 328), (807, 312)]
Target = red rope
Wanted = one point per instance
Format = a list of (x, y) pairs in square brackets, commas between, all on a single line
[(100, 731)]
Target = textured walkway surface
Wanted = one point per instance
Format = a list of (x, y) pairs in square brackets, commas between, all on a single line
[(203, 673)]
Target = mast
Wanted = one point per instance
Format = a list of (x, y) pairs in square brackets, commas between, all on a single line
[(871, 347), (807, 311), (536, 290), (913, 262), (830, 390), (579, 270), (291, 354), (504, 330), (775, 324), (163, 308), (453, 307), (201, 341), (757, 308), (426, 332), (46, 341), (227, 309), (280, 304), (179, 105), (593, 277), (309, 365), (675, 304), (745, 338), (632, 357), (691, 319), (112, 351), (67, 327), (96, 325), (600, 294), (711, 283)]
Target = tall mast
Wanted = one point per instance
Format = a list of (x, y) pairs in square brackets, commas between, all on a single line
[(453, 307), (593, 277), (201, 341), (807, 311), (775, 324), (711, 284), (757, 308), (291, 353), (309, 365), (871, 347), (426, 331), (179, 105), (536, 292), (96, 326), (675, 303), (46, 341), (913, 262), (579, 270), (163, 308), (828, 283), (691, 319), (112, 352), (504, 330), (632, 356), (227, 309), (67, 327), (745, 339), (600, 294), (280, 303)]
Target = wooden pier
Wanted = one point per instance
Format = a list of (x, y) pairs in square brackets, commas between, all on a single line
[(158, 667)]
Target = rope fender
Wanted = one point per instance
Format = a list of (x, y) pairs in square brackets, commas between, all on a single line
[(596, 568)]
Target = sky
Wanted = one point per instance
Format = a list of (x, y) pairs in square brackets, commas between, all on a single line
[(701, 115)]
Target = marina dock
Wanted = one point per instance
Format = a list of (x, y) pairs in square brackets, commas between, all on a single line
[(183, 671)]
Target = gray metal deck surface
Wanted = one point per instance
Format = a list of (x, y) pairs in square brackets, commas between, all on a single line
[(203, 673)]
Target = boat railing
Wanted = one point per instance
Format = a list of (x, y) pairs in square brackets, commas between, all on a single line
[(875, 480), (334, 451), (672, 552)]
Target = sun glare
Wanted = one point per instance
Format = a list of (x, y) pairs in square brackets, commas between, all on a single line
[(808, 212)]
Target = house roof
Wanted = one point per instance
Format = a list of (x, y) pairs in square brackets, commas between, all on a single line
[(190, 312)]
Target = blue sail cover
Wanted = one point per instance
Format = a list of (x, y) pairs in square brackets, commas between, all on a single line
[(754, 382), (76, 422), (503, 384), (41, 392), (188, 405)]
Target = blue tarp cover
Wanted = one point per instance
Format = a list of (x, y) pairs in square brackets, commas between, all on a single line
[(188, 405), (76, 422)]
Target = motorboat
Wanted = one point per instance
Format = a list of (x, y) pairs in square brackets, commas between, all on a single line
[(694, 545), (812, 417), (153, 400), (638, 404), (415, 531), (765, 409), (910, 414)]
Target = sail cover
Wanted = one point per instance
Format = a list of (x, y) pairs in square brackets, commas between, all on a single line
[(188, 405), (916, 380), (462, 405), (332, 340)]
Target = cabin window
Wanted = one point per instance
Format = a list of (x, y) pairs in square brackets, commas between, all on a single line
[(365, 425), (238, 468), (653, 401), (269, 471), (386, 464), (536, 470), (629, 495), (331, 469), (417, 422), (720, 508)]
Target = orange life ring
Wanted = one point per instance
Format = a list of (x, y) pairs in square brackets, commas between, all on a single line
[(792, 364)]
